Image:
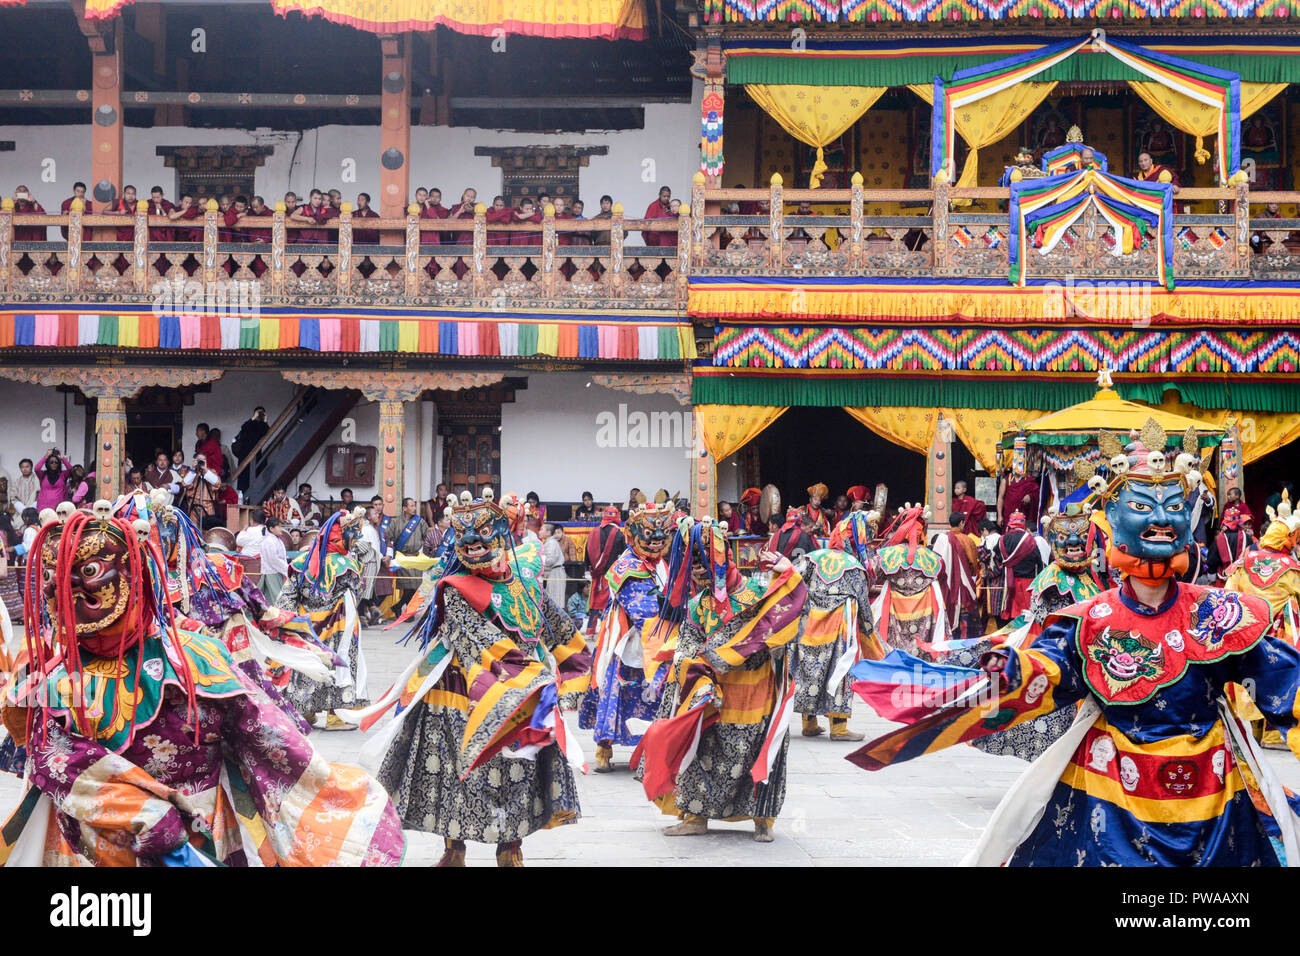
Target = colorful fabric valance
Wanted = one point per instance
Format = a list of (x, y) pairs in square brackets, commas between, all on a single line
[(725, 429), (462, 334), (860, 301), (1071, 154), (997, 350), (983, 391), (1042, 210), (955, 98), (914, 11), (828, 60), (580, 19)]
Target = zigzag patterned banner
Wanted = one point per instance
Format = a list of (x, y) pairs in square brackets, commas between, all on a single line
[(875, 11), (1183, 351)]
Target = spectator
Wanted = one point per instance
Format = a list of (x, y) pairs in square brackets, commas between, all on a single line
[(189, 209), (364, 237), (661, 208), (587, 510), (527, 212), (577, 606), (25, 204), (406, 534), (31, 524), (163, 208), (305, 509), (553, 562), (54, 481), (435, 535), (534, 513), (728, 516), (465, 210), (275, 562), (199, 488), (227, 456), (258, 209), (81, 486), (346, 499), (208, 446), (435, 506), (249, 541), (226, 496), (499, 214), (277, 506), (78, 192), (134, 484), (431, 207), (161, 475), (250, 433), (23, 490)]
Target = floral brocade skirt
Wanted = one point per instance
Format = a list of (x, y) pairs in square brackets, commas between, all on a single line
[(605, 711), (505, 799)]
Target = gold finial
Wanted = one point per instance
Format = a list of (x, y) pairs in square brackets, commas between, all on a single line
[(857, 179), (480, 209), (211, 205), (776, 179), (1074, 134), (345, 207), (698, 178)]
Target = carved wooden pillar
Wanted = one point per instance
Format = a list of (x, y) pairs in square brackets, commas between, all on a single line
[(210, 243), (776, 220), (6, 243), (616, 275), (277, 250), (106, 47), (140, 250), (392, 436), (712, 109), (478, 274), (1230, 457), (395, 127), (938, 483), (1241, 210), (856, 245), (412, 249), (697, 219), (110, 439), (548, 251), (344, 262), (75, 265), (684, 222), (704, 483), (939, 213)]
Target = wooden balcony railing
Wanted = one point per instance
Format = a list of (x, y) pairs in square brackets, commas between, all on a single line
[(597, 264)]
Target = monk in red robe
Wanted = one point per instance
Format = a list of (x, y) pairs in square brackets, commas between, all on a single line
[(78, 192), (972, 510), (465, 210), (432, 208), (125, 206), (1020, 493), (1149, 171), (499, 214), (238, 209), (366, 237), (527, 212), (661, 208), (26, 205), (313, 213), (188, 209), (257, 209), (162, 208)]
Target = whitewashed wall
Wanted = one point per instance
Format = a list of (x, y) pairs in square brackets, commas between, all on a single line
[(49, 159), (551, 441), (29, 414)]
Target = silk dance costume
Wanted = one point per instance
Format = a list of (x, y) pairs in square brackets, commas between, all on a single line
[(478, 750), (168, 755), (323, 585), (909, 612), (718, 748), (836, 629), (1157, 769), (629, 638)]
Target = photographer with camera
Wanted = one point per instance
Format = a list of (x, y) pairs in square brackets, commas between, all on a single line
[(199, 486)]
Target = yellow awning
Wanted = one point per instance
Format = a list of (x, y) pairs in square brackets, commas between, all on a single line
[(1078, 424)]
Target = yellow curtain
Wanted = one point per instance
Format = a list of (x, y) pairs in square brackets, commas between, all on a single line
[(1258, 432), (981, 429), (988, 120), (816, 115), (1197, 118), (726, 429), (911, 427)]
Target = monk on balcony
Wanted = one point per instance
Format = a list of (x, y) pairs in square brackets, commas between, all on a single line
[(188, 209), (499, 214), (364, 237), (258, 209), (526, 212), (432, 208), (1150, 171), (661, 208), (160, 207), (78, 192), (26, 205)]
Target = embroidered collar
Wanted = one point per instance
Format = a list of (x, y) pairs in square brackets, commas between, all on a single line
[(1131, 601)]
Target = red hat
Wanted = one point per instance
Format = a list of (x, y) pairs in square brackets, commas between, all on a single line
[(751, 496), (1015, 521), (857, 493)]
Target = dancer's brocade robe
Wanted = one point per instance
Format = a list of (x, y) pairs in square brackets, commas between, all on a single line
[(1157, 770), (331, 609), (728, 678), (1053, 589), (455, 762), (909, 611), (627, 636), (253, 791), (835, 631)]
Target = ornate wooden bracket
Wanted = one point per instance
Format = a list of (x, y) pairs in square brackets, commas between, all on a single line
[(112, 381), (392, 386)]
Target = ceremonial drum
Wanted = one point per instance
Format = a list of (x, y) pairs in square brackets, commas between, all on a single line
[(219, 538), (307, 539)]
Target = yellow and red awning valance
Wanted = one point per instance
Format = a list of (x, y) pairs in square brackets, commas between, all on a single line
[(556, 19)]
